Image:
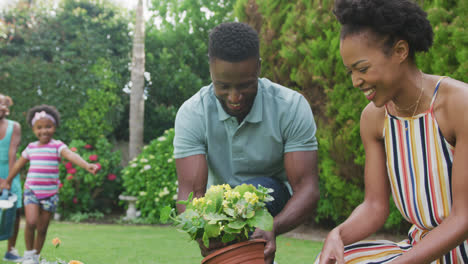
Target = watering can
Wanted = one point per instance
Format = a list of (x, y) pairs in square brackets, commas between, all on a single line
[(7, 213)]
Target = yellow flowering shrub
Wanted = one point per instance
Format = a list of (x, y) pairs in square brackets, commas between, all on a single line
[(224, 213)]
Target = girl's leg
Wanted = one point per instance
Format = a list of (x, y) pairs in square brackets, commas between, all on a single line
[(12, 239), (32, 215), (42, 226)]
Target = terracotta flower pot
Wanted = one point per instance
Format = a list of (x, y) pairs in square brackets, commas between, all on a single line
[(247, 252)]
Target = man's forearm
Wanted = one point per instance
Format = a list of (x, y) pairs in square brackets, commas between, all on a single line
[(295, 212)]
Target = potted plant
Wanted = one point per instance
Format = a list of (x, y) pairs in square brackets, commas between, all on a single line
[(228, 215)]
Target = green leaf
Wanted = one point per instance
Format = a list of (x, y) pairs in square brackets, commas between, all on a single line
[(165, 213), (214, 218), (229, 211), (250, 214), (262, 220), (228, 237), (206, 240), (212, 230), (237, 224), (229, 230)]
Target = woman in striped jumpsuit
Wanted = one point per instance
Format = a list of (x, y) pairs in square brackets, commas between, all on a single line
[(415, 135)]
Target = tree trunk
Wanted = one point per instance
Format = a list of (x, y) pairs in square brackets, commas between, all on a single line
[(137, 102)]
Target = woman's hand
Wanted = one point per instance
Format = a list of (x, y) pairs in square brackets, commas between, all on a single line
[(333, 249), (4, 184)]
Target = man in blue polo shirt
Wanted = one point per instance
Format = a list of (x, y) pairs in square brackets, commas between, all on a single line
[(246, 129)]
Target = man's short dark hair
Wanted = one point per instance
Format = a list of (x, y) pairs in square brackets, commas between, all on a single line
[(233, 42)]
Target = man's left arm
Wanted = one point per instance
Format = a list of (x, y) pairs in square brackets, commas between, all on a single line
[(301, 169), (300, 163), (302, 172)]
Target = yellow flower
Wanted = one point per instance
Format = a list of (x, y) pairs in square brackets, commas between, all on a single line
[(198, 201), (75, 262), (227, 187), (56, 242), (251, 198), (229, 195), (215, 189)]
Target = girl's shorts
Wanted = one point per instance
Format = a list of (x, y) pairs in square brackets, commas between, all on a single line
[(48, 204)]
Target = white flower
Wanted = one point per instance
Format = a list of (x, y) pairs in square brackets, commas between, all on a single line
[(161, 138), (133, 165), (169, 160), (164, 192), (147, 167), (156, 199), (152, 156), (174, 197), (144, 160), (142, 193)]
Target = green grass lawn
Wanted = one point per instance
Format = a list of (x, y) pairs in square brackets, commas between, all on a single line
[(119, 244)]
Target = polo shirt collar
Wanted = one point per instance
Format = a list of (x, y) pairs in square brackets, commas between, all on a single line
[(256, 112)]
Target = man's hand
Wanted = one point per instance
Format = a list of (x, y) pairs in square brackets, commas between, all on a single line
[(214, 245), (270, 247)]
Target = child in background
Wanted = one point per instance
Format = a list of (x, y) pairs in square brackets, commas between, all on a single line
[(10, 134), (41, 185)]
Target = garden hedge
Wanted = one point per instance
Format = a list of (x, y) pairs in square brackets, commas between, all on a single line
[(300, 49)]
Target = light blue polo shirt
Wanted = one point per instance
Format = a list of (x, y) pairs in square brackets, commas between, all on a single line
[(280, 121)]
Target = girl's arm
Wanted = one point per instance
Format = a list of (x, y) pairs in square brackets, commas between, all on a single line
[(371, 214), (76, 159)]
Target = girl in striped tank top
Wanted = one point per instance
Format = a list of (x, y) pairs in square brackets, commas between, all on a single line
[(415, 135), (42, 180)]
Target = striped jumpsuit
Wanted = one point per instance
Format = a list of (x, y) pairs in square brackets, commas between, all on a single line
[(419, 166)]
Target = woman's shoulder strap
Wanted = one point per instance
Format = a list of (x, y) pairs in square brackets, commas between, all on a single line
[(434, 95)]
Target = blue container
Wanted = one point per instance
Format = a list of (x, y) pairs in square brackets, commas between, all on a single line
[(7, 214)]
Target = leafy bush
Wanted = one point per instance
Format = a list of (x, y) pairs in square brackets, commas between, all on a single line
[(81, 191), (300, 49), (152, 178), (70, 54)]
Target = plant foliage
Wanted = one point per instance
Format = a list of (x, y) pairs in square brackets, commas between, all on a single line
[(152, 178), (224, 213), (73, 56), (83, 192)]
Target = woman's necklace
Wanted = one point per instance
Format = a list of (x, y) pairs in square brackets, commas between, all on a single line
[(415, 104)]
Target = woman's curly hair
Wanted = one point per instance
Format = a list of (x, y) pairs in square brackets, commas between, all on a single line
[(51, 110), (390, 20)]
